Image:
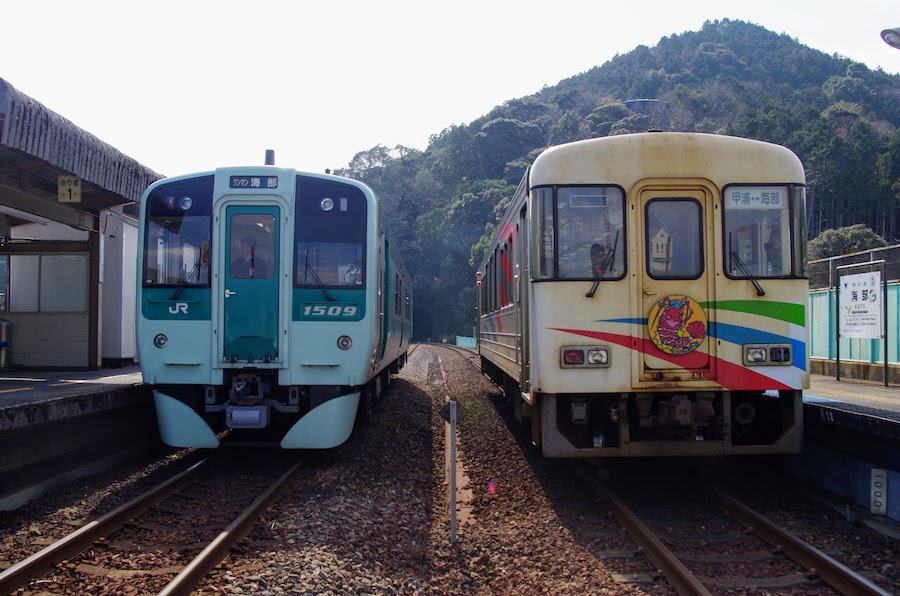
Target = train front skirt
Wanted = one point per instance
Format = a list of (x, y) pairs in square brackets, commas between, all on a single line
[(325, 426)]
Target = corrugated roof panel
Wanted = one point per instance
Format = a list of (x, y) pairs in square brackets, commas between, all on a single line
[(28, 126)]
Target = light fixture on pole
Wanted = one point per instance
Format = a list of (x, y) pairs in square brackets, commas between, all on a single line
[(892, 37)]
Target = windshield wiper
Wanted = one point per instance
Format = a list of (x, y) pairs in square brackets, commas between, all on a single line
[(185, 282), (744, 269), (600, 263), (309, 268)]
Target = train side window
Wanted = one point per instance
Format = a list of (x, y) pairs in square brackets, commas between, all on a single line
[(674, 239), (758, 234), (542, 250)]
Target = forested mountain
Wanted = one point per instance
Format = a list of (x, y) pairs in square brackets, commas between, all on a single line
[(730, 77)]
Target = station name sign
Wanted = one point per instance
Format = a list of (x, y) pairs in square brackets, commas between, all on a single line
[(253, 182), (860, 305)]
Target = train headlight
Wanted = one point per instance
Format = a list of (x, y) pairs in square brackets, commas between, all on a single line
[(755, 355), (767, 354), (344, 342), (598, 356), (161, 341), (327, 204)]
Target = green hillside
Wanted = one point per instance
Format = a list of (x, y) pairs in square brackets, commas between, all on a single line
[(730, 77)]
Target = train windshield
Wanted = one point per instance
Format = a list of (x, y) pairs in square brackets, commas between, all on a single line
[(674, 236), (579, 233), (762, 225), (330, 238), (178, 229)]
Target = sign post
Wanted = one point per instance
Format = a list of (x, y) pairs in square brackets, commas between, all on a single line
[(862, 308), (452, 412)]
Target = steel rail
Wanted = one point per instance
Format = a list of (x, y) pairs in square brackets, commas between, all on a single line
[(832, 572), (219, 548), (667, 564), (41, 562)]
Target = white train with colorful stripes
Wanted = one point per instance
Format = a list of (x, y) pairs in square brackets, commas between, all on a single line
[(645, 295)]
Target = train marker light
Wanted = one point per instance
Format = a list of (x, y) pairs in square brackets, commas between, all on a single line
[(344, 342), (160, 341), (780, 354), (573, 357)]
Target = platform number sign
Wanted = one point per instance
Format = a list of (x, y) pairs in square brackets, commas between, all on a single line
[(69, 189)]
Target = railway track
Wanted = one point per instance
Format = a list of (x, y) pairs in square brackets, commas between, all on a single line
[(470, 355), (181, 516), (728, 547), (708, 542)]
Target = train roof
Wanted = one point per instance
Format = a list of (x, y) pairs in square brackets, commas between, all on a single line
[(262, 171), (625, 159)]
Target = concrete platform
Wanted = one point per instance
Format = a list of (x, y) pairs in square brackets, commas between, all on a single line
[(38, 397), (852, 443), (57, 426), (871, 396)]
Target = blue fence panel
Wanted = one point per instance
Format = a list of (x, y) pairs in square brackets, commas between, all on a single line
[(821, 324), (465, 342)]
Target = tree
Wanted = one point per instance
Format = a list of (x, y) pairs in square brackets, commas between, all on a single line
[(571, 127), (842, 241)]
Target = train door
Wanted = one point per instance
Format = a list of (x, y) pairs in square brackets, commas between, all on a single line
[(676, 245), (521, 298), (250, 261)]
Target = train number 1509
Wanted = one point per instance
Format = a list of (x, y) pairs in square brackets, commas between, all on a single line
[(323, 310)]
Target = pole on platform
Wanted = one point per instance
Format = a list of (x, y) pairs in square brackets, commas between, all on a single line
[(452, 471), (884, 319)]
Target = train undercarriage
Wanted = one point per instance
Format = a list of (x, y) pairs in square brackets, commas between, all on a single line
[(649, 424), (254, 409)]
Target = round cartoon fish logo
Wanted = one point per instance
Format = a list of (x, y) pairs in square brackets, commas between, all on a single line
[(677, 324)]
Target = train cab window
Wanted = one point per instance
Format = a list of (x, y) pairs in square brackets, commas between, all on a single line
[(759, 232), (674, 239), (579, 233), (330, 234), (178, 228), (252, 250)]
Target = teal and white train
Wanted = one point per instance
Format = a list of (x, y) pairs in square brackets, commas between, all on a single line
[(270, 302)]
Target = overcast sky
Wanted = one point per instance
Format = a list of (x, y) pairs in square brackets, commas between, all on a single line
[(190, 85)]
